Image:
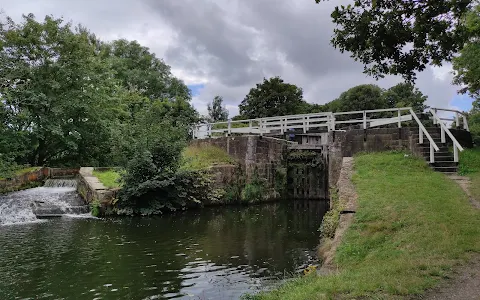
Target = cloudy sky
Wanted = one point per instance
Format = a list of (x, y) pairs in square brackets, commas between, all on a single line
[(225, 47)]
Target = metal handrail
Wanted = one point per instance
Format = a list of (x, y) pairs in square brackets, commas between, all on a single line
[(443, 129)]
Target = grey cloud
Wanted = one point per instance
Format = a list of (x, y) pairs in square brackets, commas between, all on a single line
[(234, 44)]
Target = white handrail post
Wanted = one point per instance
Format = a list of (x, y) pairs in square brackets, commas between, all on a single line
[(260, 126), (308, 122), (420, 136), (432, 154), (455, 153), (457, 120), (442, 134), (250, 129), (229, 126), (399, 118), (333, 121), (364, 120), (435, 119), (304, 124), (465, 123), (209, 130)]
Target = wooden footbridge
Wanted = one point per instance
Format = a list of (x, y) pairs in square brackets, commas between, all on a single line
[(434, 128)]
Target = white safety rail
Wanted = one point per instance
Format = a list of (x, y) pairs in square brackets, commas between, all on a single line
[(444, 129), (331, 121), (458, 117)]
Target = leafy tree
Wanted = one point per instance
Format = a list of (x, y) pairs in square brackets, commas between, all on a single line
[(467, 65), (360, 97), (405, 95), (400, 37), (272, 97), (138, 69), (57, 95), (216, 111)]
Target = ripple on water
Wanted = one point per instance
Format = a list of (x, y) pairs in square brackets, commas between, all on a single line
[(212, 254)]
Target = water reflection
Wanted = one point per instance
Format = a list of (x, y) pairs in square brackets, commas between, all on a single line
[(216, 253)]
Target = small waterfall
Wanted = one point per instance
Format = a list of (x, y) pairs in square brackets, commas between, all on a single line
[(55, 183), (56, 198)]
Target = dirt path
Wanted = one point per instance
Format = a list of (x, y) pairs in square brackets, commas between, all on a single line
[(465, 282)]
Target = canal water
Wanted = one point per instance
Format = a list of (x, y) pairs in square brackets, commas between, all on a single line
[(212, 253)]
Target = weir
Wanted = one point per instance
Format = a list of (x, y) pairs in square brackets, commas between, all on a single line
[(58, 197)]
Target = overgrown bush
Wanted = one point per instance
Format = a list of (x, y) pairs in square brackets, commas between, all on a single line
[(254, 191), (150, 189)]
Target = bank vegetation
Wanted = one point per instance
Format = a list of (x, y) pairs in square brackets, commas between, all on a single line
[(412, 226)]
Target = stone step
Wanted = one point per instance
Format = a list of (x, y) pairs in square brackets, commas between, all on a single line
[(445, 169), (445, 163), (440, 156)]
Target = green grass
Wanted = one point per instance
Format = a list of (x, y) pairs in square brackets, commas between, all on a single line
[(197, 158), (108, 178), (25, 170), (470, 166), (411, 227)]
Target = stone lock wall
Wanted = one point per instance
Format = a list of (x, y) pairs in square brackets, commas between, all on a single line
[(254, 154)]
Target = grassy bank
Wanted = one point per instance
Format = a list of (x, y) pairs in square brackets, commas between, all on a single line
[(197, 158), (108, 178), (411, 227), (470, 166), (21, 170)]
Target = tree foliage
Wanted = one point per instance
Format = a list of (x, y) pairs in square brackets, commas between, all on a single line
[(467, 64), (69, 99), (400, 37), (370, 96), (272, 97), (216, 111)]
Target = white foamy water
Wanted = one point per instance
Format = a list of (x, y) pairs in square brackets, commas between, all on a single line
[(16, 207)]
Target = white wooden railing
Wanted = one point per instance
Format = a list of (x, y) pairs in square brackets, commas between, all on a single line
[(458, 115), (330, 121), (444, 129)]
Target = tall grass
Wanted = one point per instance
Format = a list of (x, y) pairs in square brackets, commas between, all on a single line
[(411, 227), (109, 179), (201, 157), (470, 166)]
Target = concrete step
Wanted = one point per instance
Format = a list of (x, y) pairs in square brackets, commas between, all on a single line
[(55, 211)]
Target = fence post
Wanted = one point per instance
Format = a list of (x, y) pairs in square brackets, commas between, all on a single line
[(364, 120), (455, 153), (420, 136), (333, 121), (442, 134), (435, 119), (432, 154), (229, 126), (304, 124), (465, 123), (399, 119), (457, 120), (250, 130)]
